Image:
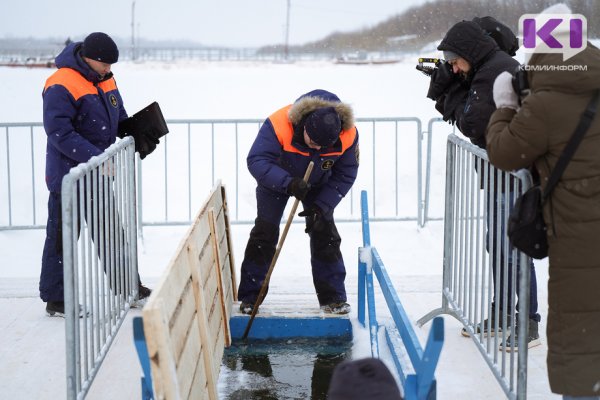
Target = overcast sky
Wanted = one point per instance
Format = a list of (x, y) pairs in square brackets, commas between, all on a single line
[(243, 23)]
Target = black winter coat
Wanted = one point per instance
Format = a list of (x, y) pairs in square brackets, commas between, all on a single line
[(475, 101)]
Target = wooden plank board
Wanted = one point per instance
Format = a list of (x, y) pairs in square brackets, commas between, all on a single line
[(199, 388), (218, 350), (205, 337), (210, 291), (228, 289), (172, 285), (229, 243), (214, 319), (162, 362), (218, 265), (206, 260), (225, 266), (182, 320), (190, 358)]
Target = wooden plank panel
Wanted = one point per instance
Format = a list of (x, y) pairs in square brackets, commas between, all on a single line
[(214, 195), (228, 293), (182, 320), (220, 223), (190, 357), (221, 282), (215, 306), (219, 349), (201, 231), (226, 276), (172, 284), (206, 260), (229, 243), (199, 389), (216, 203), (224, 255), (205, 337), (186, 316), (215, 319), (162, 362), (210, 289)]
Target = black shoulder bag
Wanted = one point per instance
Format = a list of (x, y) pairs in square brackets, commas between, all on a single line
[(526, 226)]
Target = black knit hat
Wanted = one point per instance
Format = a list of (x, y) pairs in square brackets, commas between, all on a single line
[(100, 47), (323, 126), (367, 378)]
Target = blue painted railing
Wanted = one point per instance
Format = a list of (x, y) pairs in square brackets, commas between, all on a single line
[(400, 335), (140, 345)]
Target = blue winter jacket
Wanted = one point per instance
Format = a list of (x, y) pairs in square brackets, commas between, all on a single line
[(81, 115), (279, 152)]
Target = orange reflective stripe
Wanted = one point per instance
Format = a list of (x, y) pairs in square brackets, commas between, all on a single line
[(72, 80), (284, 130), (347, 137), (108, 85)]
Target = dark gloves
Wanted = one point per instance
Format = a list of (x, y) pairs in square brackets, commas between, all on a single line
[(144, 144), (145, 141), (314, 219), (298, 188), (441, 79), (146, 127)]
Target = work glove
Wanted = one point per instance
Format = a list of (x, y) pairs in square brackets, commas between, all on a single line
[(314, 219), (504, 93), (441, 79), (144, 144), (298, 188), (145, 140)]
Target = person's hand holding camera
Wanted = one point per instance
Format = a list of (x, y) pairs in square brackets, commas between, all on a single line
[(441, 79)]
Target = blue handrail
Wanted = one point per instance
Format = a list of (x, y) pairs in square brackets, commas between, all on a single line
[(142, 350), (421, 384)]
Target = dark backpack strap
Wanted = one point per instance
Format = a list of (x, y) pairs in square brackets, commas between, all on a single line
[(571, 147)]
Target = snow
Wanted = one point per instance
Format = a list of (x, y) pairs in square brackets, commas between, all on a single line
[(32, 354)]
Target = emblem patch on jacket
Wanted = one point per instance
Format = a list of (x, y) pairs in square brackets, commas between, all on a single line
[(327, 164), (113, 100)]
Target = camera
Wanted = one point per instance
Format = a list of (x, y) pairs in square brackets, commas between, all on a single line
[(427, 69), (520, 83)]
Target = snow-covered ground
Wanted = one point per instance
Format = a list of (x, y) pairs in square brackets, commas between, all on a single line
[(32, 350)]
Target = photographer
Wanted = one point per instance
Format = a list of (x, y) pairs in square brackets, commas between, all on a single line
[(462, 90), (536, 133)]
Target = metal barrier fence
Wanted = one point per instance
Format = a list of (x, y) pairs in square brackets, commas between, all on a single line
[(397, 157), (100, 259), (478, 200)]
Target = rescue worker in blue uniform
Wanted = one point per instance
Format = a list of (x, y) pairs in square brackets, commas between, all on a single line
[(82, 111), (317, 127)]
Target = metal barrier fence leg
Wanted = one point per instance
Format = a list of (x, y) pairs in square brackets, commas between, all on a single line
[(448, 244), (69, 287)]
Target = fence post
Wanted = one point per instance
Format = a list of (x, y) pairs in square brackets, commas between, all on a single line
[(69, 287)]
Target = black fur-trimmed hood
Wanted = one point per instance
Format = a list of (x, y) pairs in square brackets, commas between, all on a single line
[(309, 102)]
